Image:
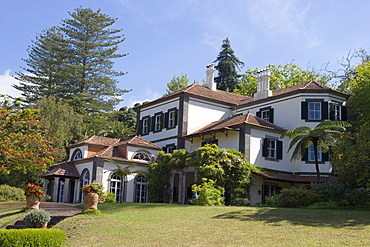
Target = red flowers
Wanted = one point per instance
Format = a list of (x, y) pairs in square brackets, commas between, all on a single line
[(33, 189)]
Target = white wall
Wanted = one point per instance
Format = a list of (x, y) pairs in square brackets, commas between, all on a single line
[(83, 150)]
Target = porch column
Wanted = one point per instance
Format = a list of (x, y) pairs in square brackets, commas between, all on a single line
[(45, 186), (172, 181), (66, 190), (76, 195), (179, 199), (55, 189), (183, 188)]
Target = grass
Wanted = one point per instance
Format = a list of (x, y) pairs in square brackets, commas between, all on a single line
[(11, 211), (147, 224)]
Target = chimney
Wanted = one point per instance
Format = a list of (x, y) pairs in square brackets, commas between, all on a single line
[(263, 84), (210, 76)]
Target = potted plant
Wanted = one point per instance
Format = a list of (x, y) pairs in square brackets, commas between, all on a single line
[(92, 192), (34, 195), (37, 219)]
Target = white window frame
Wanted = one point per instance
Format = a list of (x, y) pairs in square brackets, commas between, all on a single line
[(77, 155), (265, 115), (314, 111), (337, 112), (171, 119), (158, 122), (141, 189), (115, 187), (311, 154), (143, 156), (271, 149), (145, 126)]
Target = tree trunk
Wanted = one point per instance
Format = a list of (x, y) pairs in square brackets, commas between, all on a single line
[(316, 161)]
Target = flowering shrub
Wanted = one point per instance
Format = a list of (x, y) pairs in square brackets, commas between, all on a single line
[(33, 189), (358, 197), (94, 187)]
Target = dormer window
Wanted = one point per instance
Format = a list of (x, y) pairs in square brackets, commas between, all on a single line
[(77, 155), (143, 156)]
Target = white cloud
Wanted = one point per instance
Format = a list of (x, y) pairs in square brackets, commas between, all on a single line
[(6, 82), (130, 101), (283, 17)]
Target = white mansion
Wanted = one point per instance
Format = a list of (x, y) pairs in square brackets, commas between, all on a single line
[(199, 115)]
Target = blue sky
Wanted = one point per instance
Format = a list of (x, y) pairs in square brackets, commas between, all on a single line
[(174, 37)]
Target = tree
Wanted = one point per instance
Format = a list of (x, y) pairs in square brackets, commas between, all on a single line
[(177, 83), (282, 76), (125, 114), (24, 145), (227, 65), (117, 129), (324, 135), (81, 71), (59, 118)]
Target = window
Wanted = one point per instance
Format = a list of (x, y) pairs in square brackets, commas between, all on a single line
[(61, 191), (158, 123), (311, 154), (266, 113), (171, 118), (337, 112), (142, 156), (141, 189), (215, 141), (85, 179), (169, 148), (314, 110), (145, 126), (272, 148), (115, 187), (77, 154)]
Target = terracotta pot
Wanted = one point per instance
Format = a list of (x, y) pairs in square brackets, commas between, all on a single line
[(91, 201), (33, 202), (38, 225)]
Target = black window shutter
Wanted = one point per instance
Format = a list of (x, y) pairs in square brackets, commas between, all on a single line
[(176, 116), (304, 110), (279, 150), (166, 116), (162, 121), (325, 156), (332, 112), (152, 123), (343, 111), (164, 149), (271, 115), (140, 128), (324, 111), (258, 114), (305, 156), (264, 148)]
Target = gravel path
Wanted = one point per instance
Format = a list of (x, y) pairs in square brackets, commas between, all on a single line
[(60, 209)]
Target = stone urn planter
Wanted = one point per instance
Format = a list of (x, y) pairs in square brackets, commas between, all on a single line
[(91, 201), (33, 202)]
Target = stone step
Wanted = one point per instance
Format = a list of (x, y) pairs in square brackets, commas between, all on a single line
[(20, 222)]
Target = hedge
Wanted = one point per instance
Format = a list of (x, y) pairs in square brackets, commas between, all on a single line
[(31, 237)]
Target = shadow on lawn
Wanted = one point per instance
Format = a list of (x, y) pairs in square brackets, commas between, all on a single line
[(314, 218), (115, 207), (10, 214)]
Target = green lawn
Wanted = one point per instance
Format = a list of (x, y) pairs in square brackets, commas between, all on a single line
[(10, 211), (131, 224)]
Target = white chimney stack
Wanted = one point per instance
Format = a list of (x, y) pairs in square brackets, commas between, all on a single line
[(210, 77), (263, 84)]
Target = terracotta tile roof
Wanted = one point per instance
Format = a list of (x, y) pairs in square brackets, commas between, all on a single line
[(307, 86), (137, 141), (249, 119), (203, 92), (293, 178), (65, 169), (95, 140)]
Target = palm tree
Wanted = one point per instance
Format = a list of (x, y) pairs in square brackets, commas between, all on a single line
[(324, 135)]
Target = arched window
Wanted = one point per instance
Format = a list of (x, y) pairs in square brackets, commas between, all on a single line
[(115, 187), (77, 155), (142, 156), (85, 179), (141, 189)]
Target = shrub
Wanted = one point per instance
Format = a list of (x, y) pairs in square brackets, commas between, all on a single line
[(37, 218), (31, 237), (241, 202), (272, 201), (108, 197), (8, 193), (330, 192), (297, 196), (94, 187), (209, 195), (358, 197)]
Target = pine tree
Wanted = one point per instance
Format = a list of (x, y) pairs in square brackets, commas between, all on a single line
[(81, 51), (227, 65)]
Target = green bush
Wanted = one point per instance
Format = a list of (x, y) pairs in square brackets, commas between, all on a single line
[(241, 202), (9, 193), (37, 218), (272, 201), (208, 194), (108, 197), (31, 237), (296, 197), (330, 192)]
